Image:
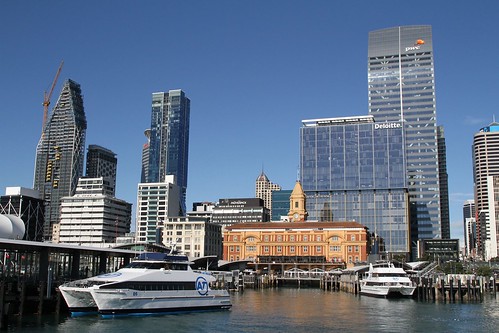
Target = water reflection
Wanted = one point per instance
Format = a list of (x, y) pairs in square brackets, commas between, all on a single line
[(293, 310)]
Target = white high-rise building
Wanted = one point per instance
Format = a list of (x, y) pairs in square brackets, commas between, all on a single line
[(93, 216), (485, 165), (263, 190), (155, 203), (469, 220)]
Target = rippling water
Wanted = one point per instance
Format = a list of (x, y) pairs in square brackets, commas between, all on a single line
[(294, 310)]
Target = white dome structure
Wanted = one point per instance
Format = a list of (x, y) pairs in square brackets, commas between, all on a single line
[(11, 227)]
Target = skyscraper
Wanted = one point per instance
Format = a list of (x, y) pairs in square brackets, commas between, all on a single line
[(469, 223), (401, 85), (155, 203), (264, 188), (60, 153), (169, 139), (144, 173), (102, 162), (353, 169), (485, 169)]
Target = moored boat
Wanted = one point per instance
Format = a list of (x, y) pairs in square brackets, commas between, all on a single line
[(155, 284), (386, 281)]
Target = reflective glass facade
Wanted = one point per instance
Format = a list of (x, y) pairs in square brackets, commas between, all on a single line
[(280, 204), (353, 169), (401, 87), (60, 153), (169, 139)]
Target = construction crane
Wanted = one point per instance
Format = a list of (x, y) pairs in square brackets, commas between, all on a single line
[(47, 96)]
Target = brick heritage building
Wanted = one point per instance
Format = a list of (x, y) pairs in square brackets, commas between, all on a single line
[(344, 243)]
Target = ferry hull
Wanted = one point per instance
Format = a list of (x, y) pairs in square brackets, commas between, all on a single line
[(121, 302), (79, 300), (387, 292)]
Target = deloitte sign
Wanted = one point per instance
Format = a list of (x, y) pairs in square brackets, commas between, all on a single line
[(387, 125)]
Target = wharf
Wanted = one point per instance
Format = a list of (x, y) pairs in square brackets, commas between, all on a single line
[(437, 287)]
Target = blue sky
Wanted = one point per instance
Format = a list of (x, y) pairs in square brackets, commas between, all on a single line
[(252, 69)]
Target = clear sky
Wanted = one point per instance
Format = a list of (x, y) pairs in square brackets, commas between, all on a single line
[(252, 69)]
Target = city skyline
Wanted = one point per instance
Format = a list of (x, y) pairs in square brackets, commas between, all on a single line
[(253, 71)]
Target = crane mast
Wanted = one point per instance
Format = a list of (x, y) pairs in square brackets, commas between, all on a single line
[(48, 95)]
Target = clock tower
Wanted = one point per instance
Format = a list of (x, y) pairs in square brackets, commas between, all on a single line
[(297, 212)]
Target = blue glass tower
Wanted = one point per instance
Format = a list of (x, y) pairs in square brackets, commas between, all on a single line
[(401, 87), (353, 169), (169, 139)]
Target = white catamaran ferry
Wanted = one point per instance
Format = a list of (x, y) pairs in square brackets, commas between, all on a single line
[(147, 286), (387, 281)]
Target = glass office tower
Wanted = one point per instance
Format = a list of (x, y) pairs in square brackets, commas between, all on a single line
[(169, 139), (353, 169), (402, 88), (60, 153)]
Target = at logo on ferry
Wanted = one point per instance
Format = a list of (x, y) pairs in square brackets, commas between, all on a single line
[(202, 285)]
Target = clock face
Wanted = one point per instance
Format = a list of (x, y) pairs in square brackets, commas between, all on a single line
[(296, 215)]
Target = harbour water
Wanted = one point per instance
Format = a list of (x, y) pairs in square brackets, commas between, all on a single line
[(292, 310)]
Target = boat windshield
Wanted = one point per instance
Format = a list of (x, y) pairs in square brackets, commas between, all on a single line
[(388, 274), (157, 265)]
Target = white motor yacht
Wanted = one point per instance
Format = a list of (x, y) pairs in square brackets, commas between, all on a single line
[(387, 281)]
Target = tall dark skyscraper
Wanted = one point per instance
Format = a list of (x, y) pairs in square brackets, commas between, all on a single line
[(144, 173), (402, 88), (60, 153), (102, 162), (169, 139)]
